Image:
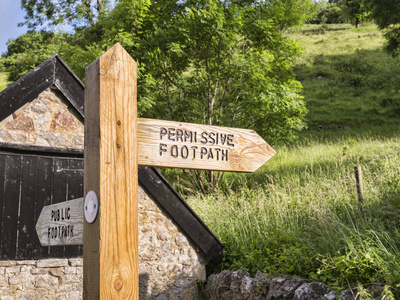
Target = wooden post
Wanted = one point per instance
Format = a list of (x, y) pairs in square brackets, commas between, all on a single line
[(110, 256), (359, 182)]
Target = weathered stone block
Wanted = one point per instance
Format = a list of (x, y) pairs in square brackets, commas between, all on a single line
[(76, 262), (26, 262), (69, 279), (21, 123), (3, 281), (27, 268), (311, 291), (23, 280), (63, 121), (36, 271), (29, 296), (70, 270), (52, 263), (283, 287), (349, 294), (13, 270), (46, 281), (7, 263), (76, 295), (65, 288), (332, 295)]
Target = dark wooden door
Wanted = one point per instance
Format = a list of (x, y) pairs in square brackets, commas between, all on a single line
[(27, 183)]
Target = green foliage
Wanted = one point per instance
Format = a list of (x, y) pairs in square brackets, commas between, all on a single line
[(357, 10), (3, 81), (328, 13), (288, 13), (51, 13), (222, 65), (29, 50), (210, 61), (387, 15)]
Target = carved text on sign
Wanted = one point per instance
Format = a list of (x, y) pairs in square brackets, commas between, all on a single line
[(61, 224), (60, 231), (163, 143), (190, 151)]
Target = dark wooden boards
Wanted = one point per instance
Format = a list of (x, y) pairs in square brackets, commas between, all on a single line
[(30, 183), (26, 228), (11, 198), (27, 183), (43, 197)]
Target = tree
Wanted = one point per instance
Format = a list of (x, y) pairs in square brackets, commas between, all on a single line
[(50, 13), (29, 50), (221, 64), (209, 61), (288, 13), (387, 15), (357, 10)]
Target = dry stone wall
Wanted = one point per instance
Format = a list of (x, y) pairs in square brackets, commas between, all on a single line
[(58, 279), (169, 265), (239, 285)]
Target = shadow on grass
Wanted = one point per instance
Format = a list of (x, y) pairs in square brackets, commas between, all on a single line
[(351, 89)]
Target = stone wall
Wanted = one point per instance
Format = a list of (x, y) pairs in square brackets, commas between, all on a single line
[(41, 279), (169, 265), (239, 285)]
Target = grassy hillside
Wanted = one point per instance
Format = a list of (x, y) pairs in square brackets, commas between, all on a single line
[(3, 81), (347, 77), (300, 214)]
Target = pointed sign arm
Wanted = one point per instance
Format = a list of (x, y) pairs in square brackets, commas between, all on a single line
[(196, 146)]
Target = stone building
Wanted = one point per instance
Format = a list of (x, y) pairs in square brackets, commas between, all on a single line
[(41, 162)]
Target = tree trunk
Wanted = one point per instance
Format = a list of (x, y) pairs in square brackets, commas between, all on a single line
[(357, 22)]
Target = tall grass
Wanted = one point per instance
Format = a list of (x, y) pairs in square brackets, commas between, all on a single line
[(300, 214)]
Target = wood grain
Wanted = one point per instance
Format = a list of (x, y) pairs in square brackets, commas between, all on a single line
[(74, 210), (111, 242), (195, 146)]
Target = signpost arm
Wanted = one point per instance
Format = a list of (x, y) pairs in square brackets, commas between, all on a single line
[(111, 170)]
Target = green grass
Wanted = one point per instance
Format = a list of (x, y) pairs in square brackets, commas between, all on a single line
[(300, 215), (348, 79), (3, 81)]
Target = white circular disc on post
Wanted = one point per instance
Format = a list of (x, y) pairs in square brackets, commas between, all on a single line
[(91, 206)]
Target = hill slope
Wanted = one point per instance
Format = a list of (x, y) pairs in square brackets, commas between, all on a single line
[(347, 77)]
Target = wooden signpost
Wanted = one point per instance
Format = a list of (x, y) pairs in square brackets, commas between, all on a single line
[(61, 224), (115, 143)]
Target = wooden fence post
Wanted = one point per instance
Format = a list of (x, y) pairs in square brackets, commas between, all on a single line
[(359, 182), (110, 253)]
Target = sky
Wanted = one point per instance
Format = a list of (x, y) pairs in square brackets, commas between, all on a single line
[(10, 15)]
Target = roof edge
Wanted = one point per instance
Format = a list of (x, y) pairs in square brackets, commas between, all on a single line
[(52, 72), (189, 222)]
